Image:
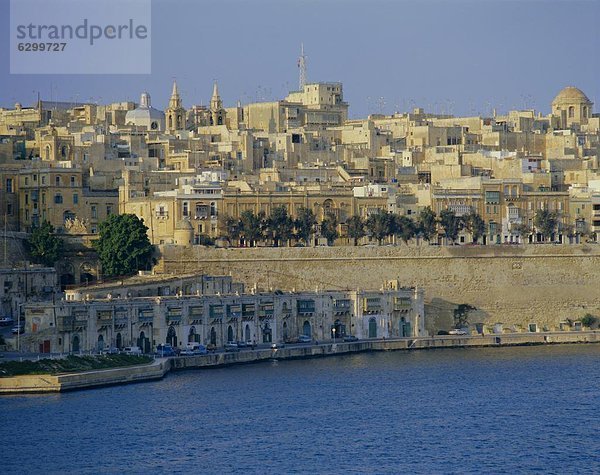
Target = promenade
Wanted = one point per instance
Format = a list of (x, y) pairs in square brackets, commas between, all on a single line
[(161, 366)]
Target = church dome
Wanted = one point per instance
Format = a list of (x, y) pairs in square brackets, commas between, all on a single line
[(571, 95), (145, 115)]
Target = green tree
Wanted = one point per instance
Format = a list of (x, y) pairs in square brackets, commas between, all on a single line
[(545, 222), (123, 246), (588, 320), (251, 227), (44, 246), (405, 228), (451, 224), (461, 315), (230, 229), (380, 225), (356, 228), (427, 224), (305, 224), (280, 225), (329, 229), (475, 225), (522, 229)]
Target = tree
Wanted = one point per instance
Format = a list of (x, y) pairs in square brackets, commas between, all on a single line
[(451, 224), (305, 224), (380, 225), (250, 227), (230, 228), (427, 224), (522, 229), (329, 229), (44, 246), (123, 246), (461, 315), (545, 222), (475, 225), (280, 225), (588, 320), (356, 228), (405, 228)]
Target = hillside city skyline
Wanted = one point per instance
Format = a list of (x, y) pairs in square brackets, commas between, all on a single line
[(504, 55)]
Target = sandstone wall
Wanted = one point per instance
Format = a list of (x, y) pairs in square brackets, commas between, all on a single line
[(542, 284)]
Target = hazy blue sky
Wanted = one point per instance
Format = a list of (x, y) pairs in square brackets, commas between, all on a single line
[(467, 56)]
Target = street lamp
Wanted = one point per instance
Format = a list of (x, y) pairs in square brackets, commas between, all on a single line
[(333, 334)]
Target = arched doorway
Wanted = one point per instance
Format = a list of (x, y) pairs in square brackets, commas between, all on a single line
[(100, 342), (306, 330), (404, 328), (192, 336), (247, 331), (119, 341), (285, 331), (144, 343), (230, 333), (172, 336), (267, 333), (339, 329), (213, 336), (75, 344), (66, 280), (372, 327)]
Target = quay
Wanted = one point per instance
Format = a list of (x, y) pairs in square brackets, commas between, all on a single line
[(44, 383)]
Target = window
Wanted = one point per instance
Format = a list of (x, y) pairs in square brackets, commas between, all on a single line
[(492, 197), (57, 181), (9, 209), (108, 210), (26, 180), (75, 198), (186, 208), (72, 181), (26, 198), (9, 185), (571, 112), (58, 199), (94, 211), (43, 179)]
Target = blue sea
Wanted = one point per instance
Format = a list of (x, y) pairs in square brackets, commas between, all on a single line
[(495, 410)]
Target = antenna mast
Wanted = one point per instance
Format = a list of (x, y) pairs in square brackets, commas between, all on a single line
[(302, 67)]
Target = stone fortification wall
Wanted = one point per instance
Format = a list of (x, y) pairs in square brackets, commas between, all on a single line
[(514, 285)]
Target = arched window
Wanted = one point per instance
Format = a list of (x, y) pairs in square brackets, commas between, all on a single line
[(571, 112), (585, 111)]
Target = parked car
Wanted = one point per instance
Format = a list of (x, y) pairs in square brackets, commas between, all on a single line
[(242, 344), (18, 329), (132, 350), (349, 338), (211, 347), (276, 346), (109, 351), (193, 349), (458, 331), (231, 346), (6, 321), (165, 350), (304, 339)]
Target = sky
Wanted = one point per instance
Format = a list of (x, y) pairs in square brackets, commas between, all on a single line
[(448, 56)]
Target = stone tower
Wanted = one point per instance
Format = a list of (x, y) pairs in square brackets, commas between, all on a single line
[(217, 113), (175, 113)]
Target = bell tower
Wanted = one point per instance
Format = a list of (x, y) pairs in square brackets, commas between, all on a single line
[(217, 113), (175, 113)]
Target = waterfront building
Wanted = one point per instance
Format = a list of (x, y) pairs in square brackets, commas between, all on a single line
[(86, 323)]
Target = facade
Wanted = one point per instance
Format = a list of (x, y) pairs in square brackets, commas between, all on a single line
[(92, 324)]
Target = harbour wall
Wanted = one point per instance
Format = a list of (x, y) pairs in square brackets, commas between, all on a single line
[(159, 368), (514, 285)]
